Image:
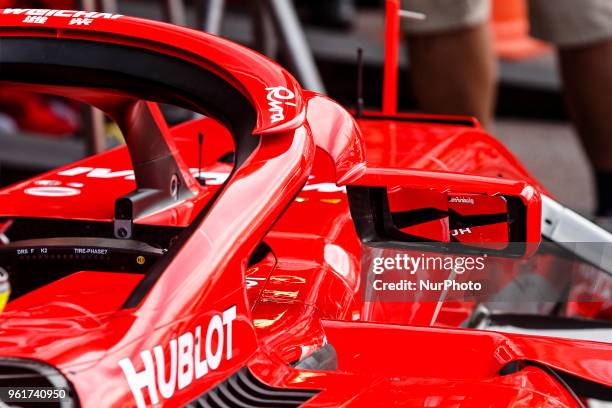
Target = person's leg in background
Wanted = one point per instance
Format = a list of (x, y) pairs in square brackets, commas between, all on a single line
[(583, 35), (453, 68)]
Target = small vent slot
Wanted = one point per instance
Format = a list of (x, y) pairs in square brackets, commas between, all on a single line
[(244, 390), (20, 373)]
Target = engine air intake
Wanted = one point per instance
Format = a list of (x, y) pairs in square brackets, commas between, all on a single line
[(242, 389)]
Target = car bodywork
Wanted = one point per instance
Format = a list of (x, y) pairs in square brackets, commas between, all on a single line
[(245, 278)]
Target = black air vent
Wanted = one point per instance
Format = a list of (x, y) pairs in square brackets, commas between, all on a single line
[(20, 373), (242, 389)]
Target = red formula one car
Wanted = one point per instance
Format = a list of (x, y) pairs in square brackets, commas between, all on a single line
[(226, 262)]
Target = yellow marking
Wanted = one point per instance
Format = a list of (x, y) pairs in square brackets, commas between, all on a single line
[(4, 297), (331, 200), (140, 260)]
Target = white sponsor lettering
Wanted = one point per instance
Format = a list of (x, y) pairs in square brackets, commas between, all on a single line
[(75, 171), (277, 97), (109, 174), (460, 231), (142, 379), (52, 191), (214, 356), (166, 388), (213, 178), (462, 200), (90, 251), (34, 20), (84, 16), (190, 358), (185, 358), (48, 183), (81, 21)]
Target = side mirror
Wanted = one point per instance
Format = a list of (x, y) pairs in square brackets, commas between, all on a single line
[(418, 209)]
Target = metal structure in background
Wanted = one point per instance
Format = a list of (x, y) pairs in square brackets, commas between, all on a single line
[(288, 30), (392, 44), (212, 15), (106, 6), (265, 41), (275, 23), (95, 123), (281, 13), (295, 45), (392, 30), (174, 12), (93, 119), (94, 130)]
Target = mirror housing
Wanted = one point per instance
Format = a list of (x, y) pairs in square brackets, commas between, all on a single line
[(413, 208)]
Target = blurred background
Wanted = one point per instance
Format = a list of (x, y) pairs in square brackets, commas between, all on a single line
[(317, 40)]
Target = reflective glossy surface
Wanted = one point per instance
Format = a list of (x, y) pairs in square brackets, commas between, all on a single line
[(306, 292)]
